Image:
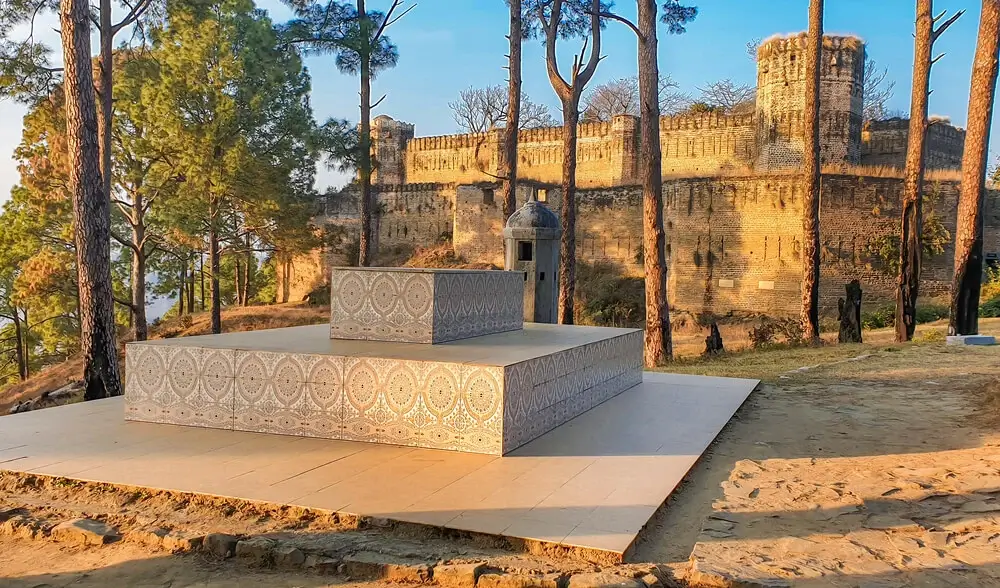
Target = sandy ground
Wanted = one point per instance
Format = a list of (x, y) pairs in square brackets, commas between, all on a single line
[(128, 565), (883, 470), (865, 465)]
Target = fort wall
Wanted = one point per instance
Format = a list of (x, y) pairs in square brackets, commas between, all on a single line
[(735, 243), (883, 144)]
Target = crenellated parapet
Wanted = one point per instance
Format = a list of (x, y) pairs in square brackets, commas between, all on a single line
[(770, 138), (781, 86)]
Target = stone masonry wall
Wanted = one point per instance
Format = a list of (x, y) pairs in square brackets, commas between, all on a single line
[(781, 85), (407, 216), (606, 152), (735, 243), (883, 143)]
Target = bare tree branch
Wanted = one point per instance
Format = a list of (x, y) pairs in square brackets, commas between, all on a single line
[(479, 110)]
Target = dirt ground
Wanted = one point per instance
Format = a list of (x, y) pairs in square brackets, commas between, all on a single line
[(128, 565), (862, 465)]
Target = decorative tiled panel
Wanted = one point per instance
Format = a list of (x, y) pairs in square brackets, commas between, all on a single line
[(470, 304), (423, 306), (545, 392), (434, 404), (289, 394), (382, 305), (179, 385), (423, 404)]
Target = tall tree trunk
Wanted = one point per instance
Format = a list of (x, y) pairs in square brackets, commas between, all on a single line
[(91, 207), (508, 155), (201, 271), (569, 93), (238, 279), (180, 292), (811, 173), (213, 259), (106, 66), (26, 353), (365, 245), (139, 326), (567, 245), (248, 275), (658, 346), (190, 290), (19, 346), (964, 319), (912, 214)]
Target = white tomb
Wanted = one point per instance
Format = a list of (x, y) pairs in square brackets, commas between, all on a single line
[(423, 358)]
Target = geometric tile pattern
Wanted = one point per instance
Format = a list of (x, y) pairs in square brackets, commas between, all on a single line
[(423, 404), (288, 393), (423, 306), (180, 385), (547, 391), (457, 405)]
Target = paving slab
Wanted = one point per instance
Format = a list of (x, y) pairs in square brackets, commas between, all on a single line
[(592, 482)]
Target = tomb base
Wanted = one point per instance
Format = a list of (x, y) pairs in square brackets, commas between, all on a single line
[(488, 394)]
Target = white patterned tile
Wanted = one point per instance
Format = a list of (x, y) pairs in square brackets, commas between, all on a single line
[(179, 385), (423, 306), (274, 394)]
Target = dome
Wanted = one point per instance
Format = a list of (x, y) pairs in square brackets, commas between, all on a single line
[(533, 215)]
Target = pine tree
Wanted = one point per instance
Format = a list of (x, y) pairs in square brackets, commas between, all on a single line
[(91, 209), (910, 246), (811, 173), (964, 317)]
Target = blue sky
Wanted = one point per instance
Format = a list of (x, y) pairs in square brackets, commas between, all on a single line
[(448, 45)]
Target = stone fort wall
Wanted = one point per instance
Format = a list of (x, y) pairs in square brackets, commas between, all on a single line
[(769, 139), (733, 243)]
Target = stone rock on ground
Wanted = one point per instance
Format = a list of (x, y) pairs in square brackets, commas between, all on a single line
[(287, 556), (603, 580), (85, 532), (152, 538), (458, 575), (367, 565), (181, 541), (258, 549), (502, 580), (321, 564), (220, 544)]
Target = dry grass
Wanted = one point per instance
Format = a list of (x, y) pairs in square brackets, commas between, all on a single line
[(250, 318), (740, 361), (443, 256), (47, 380)]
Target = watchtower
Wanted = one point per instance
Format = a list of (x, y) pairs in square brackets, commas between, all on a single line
[(389, 138), (781, 86), (531, 246)]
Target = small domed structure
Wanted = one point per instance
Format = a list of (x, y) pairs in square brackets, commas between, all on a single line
[(533, 215), (531, 246)]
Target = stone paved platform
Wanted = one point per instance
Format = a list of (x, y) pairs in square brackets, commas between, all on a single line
[(593, 482)]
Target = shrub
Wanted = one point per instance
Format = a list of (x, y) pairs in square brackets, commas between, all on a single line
[(989, 296), (929, 337), (879, 318), (775, 330), (928, 313), (990, 309), (605, 297)]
